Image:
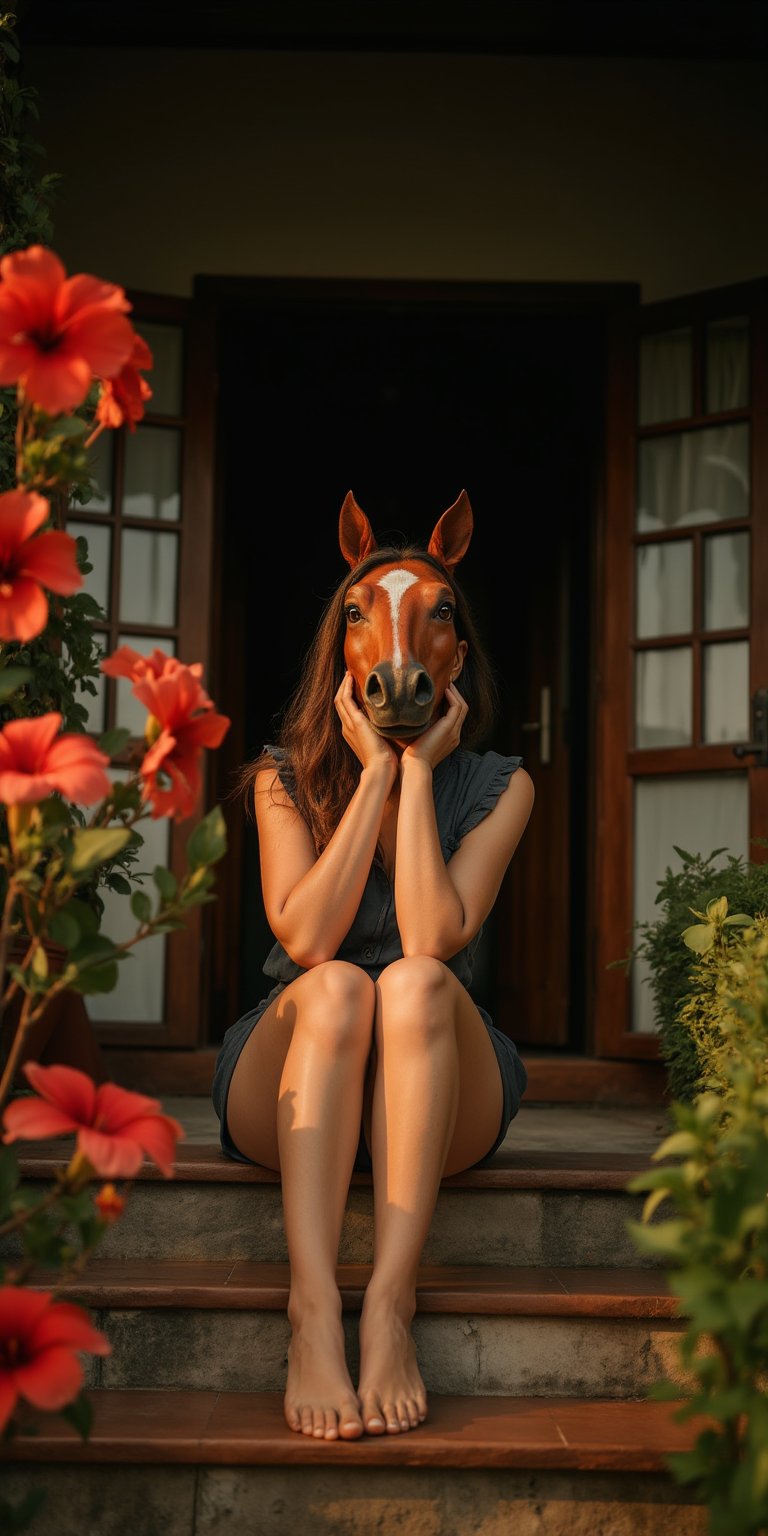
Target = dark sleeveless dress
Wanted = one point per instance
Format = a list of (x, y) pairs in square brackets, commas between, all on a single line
[(466, 786)]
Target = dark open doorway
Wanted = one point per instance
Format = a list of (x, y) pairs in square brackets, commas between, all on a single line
[(406, 401)]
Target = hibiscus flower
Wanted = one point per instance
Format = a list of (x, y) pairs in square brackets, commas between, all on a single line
[(39, 1343), (58, 332), (35, 761), (182, 721), (30, 561), (123, 398), (115, 1128)]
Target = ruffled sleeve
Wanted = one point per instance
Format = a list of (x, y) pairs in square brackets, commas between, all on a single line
[(479, 793), (284, 769)]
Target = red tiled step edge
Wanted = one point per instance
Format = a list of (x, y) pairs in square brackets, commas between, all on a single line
[(518, 1169), (492, 1289), (248, 1429)]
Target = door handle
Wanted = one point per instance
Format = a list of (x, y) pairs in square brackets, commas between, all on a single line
[(544, 725), (758, 747)]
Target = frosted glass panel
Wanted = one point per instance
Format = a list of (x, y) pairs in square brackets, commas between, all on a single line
[(663, 697), (130, 712), (727, 375), (726, 691), (99, 541), (664, 588), (148, 577), (665, 377), (138, 996), (693, 477), (164, 377), (699, 812), (726, 581), (152, 474), (100, 463)]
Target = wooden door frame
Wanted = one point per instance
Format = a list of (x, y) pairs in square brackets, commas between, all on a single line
[(561, 1078), (616, 762)]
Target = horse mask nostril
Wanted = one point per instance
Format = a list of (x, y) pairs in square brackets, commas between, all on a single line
[(375, 691), (423, 689)]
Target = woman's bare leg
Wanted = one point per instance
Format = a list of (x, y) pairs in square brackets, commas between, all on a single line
[(295, 1103), (435, 1108)]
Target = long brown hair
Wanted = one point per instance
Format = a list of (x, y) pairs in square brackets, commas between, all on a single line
[(324, 771)]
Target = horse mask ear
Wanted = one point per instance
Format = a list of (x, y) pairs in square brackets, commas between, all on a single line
[(355, 532), (451, 535)]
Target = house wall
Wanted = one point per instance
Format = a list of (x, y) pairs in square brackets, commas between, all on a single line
[(394, 165)]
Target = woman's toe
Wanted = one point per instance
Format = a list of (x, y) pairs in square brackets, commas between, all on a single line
[(413, 1412), (306, 1421), (318, 1422), (391, 1419), (293, 1418), (331, 1429), (373, 1416)]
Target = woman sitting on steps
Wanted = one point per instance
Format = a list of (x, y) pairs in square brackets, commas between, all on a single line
[(383, 843)]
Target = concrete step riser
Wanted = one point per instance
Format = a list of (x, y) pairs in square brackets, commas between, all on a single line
[(199, 1221), (243, 1351), (344, 1501)]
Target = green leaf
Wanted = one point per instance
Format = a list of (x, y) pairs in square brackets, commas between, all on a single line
[(80, 1415), (96, 961), (141, 906), (668, 1239), (679, 1144), (94, 845), (112, 742), (13, 678), (166, 882), (208, 842), (699, 937)]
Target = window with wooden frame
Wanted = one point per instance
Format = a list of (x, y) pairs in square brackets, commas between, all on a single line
[(148, 528), (682, 657)]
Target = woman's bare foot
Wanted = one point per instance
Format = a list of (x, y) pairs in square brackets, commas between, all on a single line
[(392, 1394), (320, 1399)]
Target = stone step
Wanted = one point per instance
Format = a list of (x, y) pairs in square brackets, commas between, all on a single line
[(201, 1463), (527, 1208), (482, 1329)]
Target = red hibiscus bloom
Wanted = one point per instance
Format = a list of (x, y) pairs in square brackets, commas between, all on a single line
[(35, 762), (123, 398), (39, 1343), (181, 723), (27, 564), (115, 1127), (125, 662), (57, 332)]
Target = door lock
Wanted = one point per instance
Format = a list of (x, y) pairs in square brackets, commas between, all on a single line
[(544, 725)]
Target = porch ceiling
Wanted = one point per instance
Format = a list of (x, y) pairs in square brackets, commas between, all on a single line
[(715, 29)]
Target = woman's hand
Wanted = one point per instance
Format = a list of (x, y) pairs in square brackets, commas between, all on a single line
[(444, 735), (356, 728)]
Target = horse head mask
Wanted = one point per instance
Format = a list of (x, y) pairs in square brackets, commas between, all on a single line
[(401, 645)]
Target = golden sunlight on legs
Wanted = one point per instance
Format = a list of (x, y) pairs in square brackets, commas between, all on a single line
[(436, 1106)]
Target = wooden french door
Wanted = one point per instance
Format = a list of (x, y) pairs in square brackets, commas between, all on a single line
[(149, 530), (682, 622)]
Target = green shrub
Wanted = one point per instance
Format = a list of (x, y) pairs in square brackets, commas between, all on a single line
[(715, 1244), (673, 981)]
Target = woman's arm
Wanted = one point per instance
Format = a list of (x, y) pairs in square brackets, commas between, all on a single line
[(441, 907), (311, 901)]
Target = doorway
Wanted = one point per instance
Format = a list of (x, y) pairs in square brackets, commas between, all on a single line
[(406, 400)]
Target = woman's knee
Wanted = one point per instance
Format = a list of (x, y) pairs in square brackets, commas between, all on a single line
[(416, 994), (337, 1005)]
